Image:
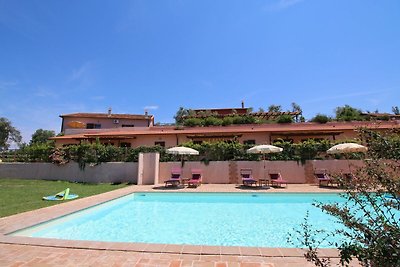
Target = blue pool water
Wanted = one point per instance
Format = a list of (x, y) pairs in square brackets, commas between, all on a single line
[(227, 219)]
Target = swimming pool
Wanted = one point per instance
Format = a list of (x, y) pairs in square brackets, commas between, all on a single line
[(226, 219)]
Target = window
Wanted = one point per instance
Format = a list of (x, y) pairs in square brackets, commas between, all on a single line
[(108, 144), (128, 125), (314, 139), (93, 126), (124, 144), (280, 140), (197, 142), (159, 143), (249, 142)]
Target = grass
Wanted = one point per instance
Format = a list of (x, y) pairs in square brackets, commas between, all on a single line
[(17, 195)]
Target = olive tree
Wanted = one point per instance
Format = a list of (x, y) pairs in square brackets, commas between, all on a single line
[(8, 134), (297, 108), (275, 108)]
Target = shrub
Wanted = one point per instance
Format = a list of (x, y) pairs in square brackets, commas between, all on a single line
[(212, 121), (285, 119), (37, 152), (227, 121), (348, 113), (320, 118), (237, 120), (192, 122), (247, 119), (384, 118)]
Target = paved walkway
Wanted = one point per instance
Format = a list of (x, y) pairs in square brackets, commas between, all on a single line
[(24, 251)]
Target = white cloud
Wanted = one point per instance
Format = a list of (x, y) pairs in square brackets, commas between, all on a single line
[(282, 4), (81, 72), (151, 107), (344, 96), (98, 97), (7, 85), (43, 92), (83, 76)]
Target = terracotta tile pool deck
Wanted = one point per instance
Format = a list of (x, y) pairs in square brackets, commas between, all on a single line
[(27, 251)]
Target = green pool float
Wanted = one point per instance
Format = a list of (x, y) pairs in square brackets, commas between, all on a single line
[(63, 195)]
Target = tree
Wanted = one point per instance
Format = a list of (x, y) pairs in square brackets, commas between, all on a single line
[(275, 108), (180, 114), (297, 108), (8, 134), (396, 110), (348, 113), (41, 136), (370, 214)]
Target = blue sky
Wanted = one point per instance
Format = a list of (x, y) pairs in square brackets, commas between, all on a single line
[(60, 57)]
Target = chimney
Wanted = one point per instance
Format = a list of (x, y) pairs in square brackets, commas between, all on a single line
[(109, 111), (145, 112), (242, 103)]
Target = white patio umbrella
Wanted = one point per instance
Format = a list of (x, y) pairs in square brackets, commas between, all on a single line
[(182, 150), (264, 149), (347, 148)]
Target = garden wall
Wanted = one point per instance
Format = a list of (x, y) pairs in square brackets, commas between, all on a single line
[(217, 172), (110, 172)]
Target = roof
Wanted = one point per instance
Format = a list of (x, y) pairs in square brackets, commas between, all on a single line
[(108, 116), (273, 128), (381, 115)]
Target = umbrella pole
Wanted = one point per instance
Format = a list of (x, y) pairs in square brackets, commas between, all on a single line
[(264, 165)]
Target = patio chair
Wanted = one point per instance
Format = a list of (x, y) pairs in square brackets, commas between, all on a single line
[(196, 180), (175, 179), (247, 177), (277, 179), (323, 178)]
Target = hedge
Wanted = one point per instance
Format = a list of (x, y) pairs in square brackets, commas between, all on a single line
[(96, 153)]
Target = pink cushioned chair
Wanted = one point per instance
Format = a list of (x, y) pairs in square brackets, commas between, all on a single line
[(277, 179), (196, 179)]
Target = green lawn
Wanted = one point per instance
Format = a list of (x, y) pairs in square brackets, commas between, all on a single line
[(17, 195)]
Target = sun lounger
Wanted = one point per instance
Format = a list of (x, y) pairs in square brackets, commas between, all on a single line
[(196, 179), (277, 179), (323, 178), (247, 177), (175, 179)]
